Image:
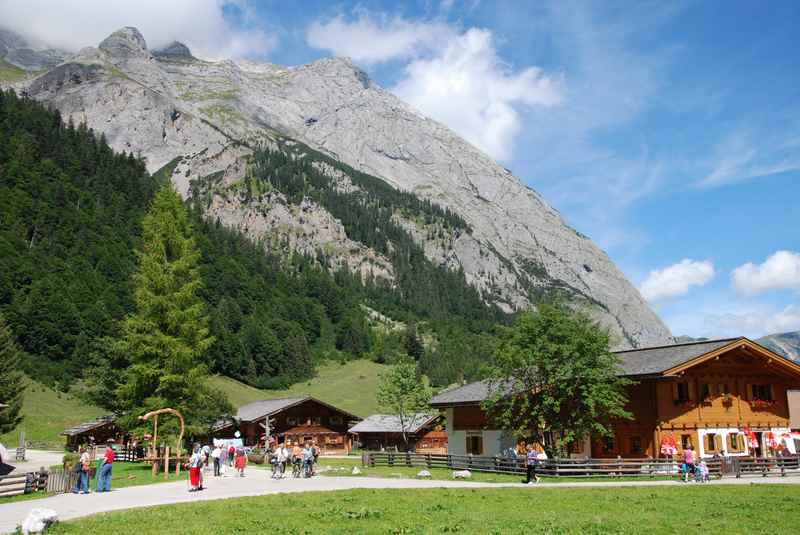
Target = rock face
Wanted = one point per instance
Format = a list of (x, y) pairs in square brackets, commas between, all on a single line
[(519, 250), (786, 344), (20, 52)]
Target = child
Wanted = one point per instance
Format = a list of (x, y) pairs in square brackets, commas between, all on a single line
[(241, 461), (703, 476)]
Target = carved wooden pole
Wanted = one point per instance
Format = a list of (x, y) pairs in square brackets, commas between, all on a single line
[(154, 415)]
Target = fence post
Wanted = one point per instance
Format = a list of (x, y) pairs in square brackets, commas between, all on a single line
[(428, 461), (737, 468)]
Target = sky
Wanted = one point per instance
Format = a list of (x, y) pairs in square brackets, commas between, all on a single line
[(668, 132)]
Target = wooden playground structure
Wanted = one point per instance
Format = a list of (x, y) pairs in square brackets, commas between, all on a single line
[(152, 454)]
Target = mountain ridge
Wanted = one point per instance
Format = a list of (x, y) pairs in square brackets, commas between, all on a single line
[(212, 114)]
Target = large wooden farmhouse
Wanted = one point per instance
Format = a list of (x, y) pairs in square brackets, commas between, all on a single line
[(724, 397), (301, 420)]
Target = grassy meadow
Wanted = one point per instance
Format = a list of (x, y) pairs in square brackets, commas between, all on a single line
[(46, 413), (680, 509), (350, 386)]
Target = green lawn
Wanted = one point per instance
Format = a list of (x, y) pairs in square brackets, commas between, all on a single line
[(680, 509), (344, 467), (350, 386), (46, 414)]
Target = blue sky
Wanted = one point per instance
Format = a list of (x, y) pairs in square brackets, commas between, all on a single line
[(668, 132)]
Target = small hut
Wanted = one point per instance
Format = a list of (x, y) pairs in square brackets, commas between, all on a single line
[(384, 431), (95, 432)]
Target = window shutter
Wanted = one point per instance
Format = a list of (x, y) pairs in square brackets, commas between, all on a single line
[(771, 393), (749, 392), (691, 390), (729, 443), (675, 391), (705, 444)]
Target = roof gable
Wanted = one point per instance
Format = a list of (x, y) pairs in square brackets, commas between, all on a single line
[(390, 423), (258, 410), (657, 360)]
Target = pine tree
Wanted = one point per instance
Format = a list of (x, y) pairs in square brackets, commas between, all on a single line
[(11, 380), (413, 344), (167, 338)]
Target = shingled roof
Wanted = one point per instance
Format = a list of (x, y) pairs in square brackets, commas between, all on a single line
[(89, 426), (390, 423), (258, 410), (655, 360), (633, 363)]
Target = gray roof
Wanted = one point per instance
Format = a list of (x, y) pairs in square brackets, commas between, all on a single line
[(89, 426), (654, 360), (634, 362), (390, 423), (259, 409)]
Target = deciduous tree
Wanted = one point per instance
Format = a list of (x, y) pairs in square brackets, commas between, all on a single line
[(403, 392)]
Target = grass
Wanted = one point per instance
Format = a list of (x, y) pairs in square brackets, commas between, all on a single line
[(344, 467), (10, 73), (680, 510), (350, 386), (46, 413)]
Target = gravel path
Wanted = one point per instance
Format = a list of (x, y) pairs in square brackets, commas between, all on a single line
[(258, 483)]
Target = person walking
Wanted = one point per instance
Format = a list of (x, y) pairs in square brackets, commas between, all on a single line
[(688, 460), (530, 465), (281, 457), (241, 460), (308, 460), (82, 468), (216, 453), (104, 475), (195, 465)]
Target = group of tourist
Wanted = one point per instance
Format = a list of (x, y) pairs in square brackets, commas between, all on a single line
[(301, 458), (84, 465), (222, 457), (534, 456), (691, 469)]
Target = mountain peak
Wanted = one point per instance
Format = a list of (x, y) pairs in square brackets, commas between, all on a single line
[(127, 41), (342, 66), (175, 49)]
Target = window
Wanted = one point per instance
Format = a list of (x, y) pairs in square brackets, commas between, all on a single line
[(723, 389), (636, 444), (705, 391), (711, 443), (686, 441), (316, 420), (474, 445), (609, 445), (683, 392), (735, 443), (336, 420), (291, 421), (762, 392)]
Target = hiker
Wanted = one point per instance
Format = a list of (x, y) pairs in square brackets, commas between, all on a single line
[(231, 454), (195, 464), (308, 460), (104, 474), (241, 460), (216, 454), (688, 460), (82, 468), (297, 459), (530, 465), (281, 456)]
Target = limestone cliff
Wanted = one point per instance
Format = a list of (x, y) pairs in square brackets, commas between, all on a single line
[(168, 104)]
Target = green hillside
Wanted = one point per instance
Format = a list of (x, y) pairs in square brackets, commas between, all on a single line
[(350, 386), (46, 414)]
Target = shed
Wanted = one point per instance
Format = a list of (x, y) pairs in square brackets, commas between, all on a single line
[(94, 432), (385, 431)]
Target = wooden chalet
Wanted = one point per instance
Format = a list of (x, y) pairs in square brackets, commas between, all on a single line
[(89, 433), (304, 419), (723, 397), (425, 433)]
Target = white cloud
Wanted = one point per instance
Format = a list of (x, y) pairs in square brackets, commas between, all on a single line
[(781, 271), (756, 323), (742, 157), (676, 279), (455, 77), (200, 24), (371, 39)]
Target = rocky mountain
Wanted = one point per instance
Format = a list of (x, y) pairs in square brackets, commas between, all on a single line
[(786, 344), (20, 52), (203, 122)]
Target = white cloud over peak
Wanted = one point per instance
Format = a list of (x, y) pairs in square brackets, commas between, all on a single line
[(676, 279), (200, 24), (755, 323), (781, 271), (456, 77), (371, 39)]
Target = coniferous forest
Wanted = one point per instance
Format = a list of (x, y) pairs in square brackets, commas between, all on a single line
[(71, 213)]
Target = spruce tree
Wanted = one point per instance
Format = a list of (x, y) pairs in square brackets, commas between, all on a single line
[(11, 379), (166, 339)]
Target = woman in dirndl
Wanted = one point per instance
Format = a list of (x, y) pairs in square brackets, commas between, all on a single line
[(195, 465)]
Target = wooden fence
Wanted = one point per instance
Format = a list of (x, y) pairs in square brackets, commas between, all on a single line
[(732, 466)]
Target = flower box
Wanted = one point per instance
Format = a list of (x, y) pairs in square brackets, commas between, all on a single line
[(761, 404)]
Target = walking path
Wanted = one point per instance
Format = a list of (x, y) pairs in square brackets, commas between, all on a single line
[(258, 482)]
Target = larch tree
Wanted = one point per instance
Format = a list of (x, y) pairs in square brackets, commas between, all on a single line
[(555, 376), (404, 393), (166, 340), (12, 382)]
